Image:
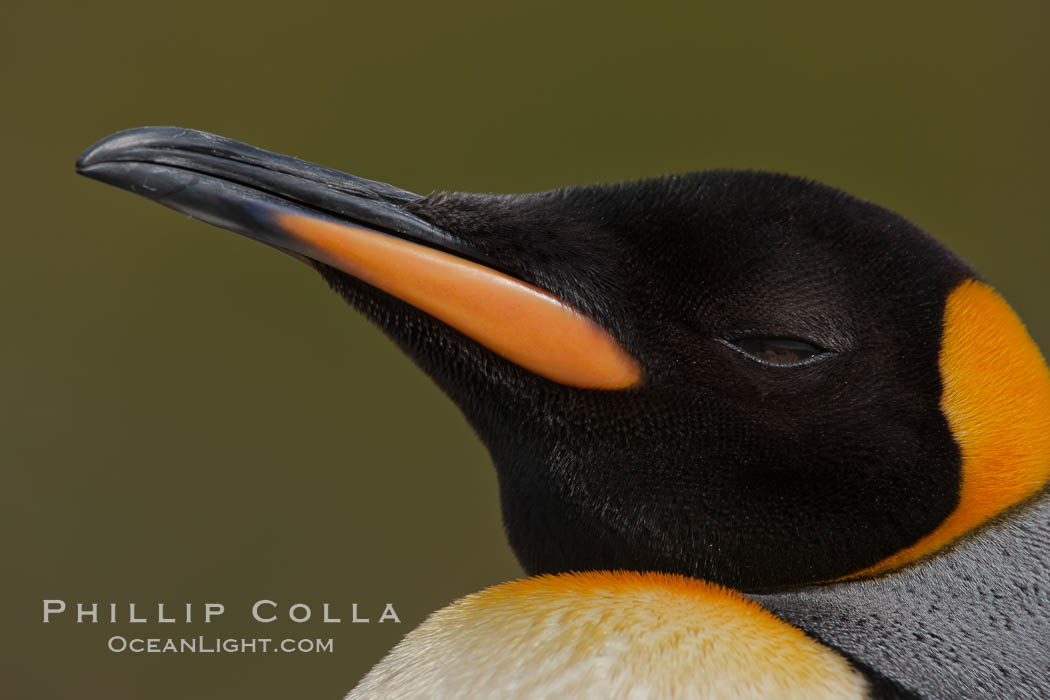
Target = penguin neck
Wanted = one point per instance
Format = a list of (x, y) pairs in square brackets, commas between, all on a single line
[(970, 620)]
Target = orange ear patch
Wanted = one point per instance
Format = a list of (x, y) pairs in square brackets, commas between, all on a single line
[(996, 397)]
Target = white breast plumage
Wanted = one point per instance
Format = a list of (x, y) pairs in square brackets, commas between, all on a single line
[(610, 635)]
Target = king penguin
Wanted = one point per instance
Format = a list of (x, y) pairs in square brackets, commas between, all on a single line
[(755, 437)]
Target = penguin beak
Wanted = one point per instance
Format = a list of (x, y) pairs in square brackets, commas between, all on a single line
[(362, 228)]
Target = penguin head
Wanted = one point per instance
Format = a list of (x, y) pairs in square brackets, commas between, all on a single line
[(744, 377)]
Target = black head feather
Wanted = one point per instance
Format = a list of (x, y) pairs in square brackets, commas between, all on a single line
[(718, 466)]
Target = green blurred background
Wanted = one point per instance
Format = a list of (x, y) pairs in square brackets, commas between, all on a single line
[(190, 417)]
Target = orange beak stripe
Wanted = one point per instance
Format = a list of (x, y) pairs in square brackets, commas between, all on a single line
[(516, 320)]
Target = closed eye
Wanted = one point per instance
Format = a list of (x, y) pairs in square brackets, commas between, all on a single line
[(782, 352)]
